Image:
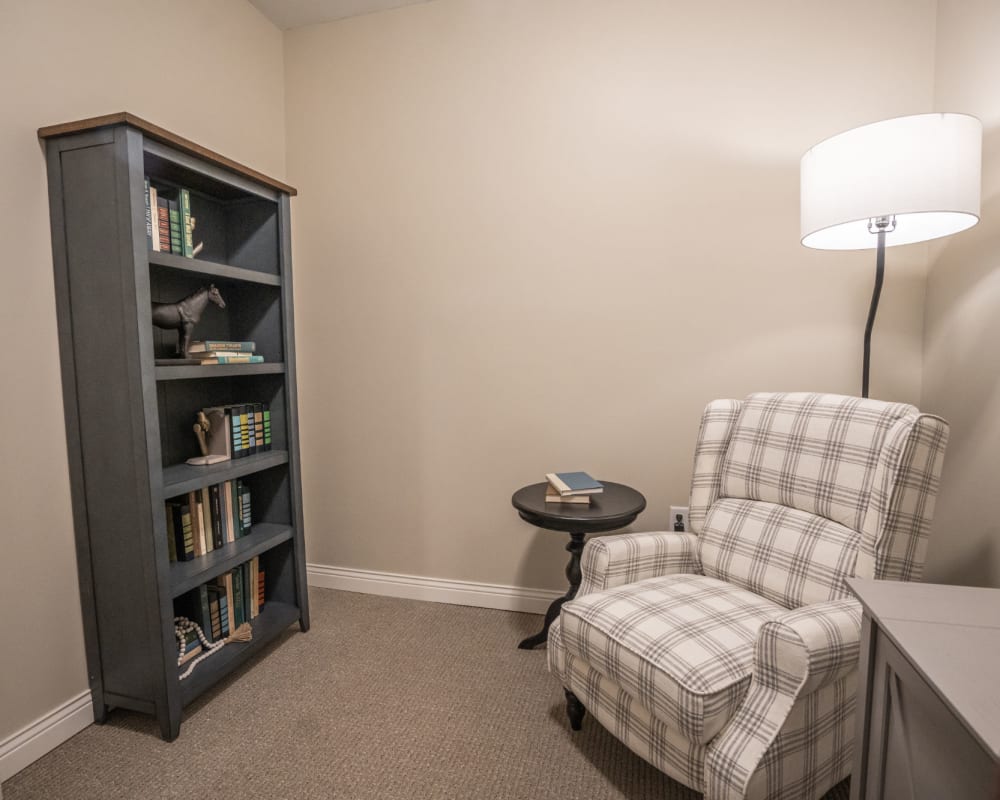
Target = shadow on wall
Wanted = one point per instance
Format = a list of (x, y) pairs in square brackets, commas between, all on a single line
[(973, 565), (962, 384)]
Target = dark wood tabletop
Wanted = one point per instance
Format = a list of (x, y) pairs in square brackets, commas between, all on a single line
[(617, 506)]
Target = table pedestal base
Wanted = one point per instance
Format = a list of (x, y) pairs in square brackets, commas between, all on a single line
[(575, 548)]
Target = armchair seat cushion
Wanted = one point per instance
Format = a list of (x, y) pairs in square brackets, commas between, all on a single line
[(681, 645)]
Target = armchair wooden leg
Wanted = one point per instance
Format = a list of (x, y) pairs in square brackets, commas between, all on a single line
[(574, 710)]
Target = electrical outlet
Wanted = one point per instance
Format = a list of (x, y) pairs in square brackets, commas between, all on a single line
[(679, 514)]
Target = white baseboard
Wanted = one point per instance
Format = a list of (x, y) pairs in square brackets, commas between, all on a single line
[(436, 590), (44, 734)]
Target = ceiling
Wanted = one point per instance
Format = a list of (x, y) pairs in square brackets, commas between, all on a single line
[(288, 14)]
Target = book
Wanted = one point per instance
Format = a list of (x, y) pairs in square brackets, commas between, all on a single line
[(187, 231), (192, 647), (232, 359), (552, 496), (239, 617), (233, 414), (246, 520), (195, 606), (217, 527), (205, 505), (225, 583), (244, 429), (215, 344), (183, 534), (253, 586), (149, 215), (266, 414), (235, 508), (260, 588), (197, 537), (258, 415), (175, 225), (573, 483), (163, 223), (201, 355)]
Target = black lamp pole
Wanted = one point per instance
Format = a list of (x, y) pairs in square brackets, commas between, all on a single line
[(881, 226)]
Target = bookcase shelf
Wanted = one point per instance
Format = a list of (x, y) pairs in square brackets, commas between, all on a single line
[(129, 421), (208, 269), (197, 371), (182, 478), (187, 575)]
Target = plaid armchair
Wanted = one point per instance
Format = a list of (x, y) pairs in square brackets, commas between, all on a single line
[(727, 656)]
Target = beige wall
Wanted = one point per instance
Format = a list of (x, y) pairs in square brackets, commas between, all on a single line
[(220, 83), (542, 235), (962, 325)]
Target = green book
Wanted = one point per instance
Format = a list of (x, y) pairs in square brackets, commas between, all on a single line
[(174, 214), (238, 597), (187, 229)]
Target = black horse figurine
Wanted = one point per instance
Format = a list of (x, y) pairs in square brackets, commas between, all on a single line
[(184, 315)]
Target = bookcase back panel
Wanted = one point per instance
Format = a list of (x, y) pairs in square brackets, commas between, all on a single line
[(178, 404), (270, 493), (279, 568), (232, 226), (252, 312)]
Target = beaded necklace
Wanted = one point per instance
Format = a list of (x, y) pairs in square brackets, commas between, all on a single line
[(184, 626)]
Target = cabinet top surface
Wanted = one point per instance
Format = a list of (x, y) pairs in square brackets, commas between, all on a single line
[(162, 135), (951, 635)]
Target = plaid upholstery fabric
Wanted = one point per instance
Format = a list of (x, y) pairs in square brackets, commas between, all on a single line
[(797, 655), (681, 645), (813, 452), (626, 718), (788, 556), (629, 557), (905, 488), (717, 423)]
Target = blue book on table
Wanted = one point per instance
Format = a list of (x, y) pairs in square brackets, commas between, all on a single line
[(567, 483)]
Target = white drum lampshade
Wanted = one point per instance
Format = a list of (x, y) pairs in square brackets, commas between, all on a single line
[(922, 169)]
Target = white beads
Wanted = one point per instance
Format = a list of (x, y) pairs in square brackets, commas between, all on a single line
[(182, 627)]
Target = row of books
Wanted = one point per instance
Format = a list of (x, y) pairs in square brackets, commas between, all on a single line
[(169, 224), (222, 605), (207, 518), (239, 429), (220, 352), (571, 487)]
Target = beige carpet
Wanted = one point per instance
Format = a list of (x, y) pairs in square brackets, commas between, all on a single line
[(383, 698)]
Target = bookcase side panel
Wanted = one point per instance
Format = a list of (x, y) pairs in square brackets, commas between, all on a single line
[(110, 415), (291, 409)]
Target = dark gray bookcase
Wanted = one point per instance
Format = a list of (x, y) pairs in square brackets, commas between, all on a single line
[(129, 421)]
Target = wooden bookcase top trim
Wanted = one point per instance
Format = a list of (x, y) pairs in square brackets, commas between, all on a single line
[(165, 136)]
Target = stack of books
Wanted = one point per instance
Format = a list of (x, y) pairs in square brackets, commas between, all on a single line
[(218, 352), (571, 487)]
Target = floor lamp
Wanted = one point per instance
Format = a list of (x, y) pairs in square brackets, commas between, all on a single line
[(899, 181)]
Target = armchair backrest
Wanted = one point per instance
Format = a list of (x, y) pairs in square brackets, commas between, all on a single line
[(794, 492)]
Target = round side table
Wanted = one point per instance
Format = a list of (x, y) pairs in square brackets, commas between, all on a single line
[(617, 506)]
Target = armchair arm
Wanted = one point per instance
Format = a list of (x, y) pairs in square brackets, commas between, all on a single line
[(796, 654), (629, 557)]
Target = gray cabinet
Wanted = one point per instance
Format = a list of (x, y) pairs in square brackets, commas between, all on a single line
[(929, 710), (129, 420)]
